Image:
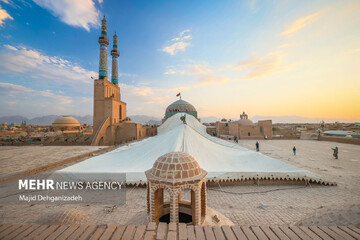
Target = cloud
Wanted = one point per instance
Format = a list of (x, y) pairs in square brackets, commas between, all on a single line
[(176, 47), (259, 67), (31, 63), (190, 69), (206, 80), (58, 74), (17, 99), (301, 23), (10, 47), (179, 43), (5, 1), (3, 16), (151, 101), (18, 90), (79, 13)]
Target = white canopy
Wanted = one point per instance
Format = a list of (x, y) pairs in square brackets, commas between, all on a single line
[(221, 159)]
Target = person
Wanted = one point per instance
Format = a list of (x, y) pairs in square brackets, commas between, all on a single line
[(257, 146), (183, 119), (336, 152), (294, 150)]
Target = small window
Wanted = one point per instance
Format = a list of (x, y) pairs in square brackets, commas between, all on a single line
[(249, 134), (261, 129), (227, 124)]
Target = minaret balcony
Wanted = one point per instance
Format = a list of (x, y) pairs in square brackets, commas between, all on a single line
[(103, 40), (115, 53)]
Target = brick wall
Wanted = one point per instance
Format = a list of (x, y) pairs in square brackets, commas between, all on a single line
[(340, 139)]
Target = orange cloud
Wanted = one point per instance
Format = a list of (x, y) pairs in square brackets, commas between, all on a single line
[(257, 67), (301, 23), (264, 67), (3, 16)]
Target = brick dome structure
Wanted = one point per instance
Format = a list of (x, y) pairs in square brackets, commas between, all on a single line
[(174, 172), (176, 167)]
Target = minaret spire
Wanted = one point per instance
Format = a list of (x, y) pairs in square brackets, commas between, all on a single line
[(115, 54), (104, 42)]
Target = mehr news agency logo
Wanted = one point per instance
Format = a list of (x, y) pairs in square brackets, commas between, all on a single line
[(51, 185)]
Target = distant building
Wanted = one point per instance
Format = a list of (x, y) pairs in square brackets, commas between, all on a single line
[(244, 128), (66, 123)]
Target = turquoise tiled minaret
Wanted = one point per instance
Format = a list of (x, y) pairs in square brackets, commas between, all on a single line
[(115, 54), (104, 42)]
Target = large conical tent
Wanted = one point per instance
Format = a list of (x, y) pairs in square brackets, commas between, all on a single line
[(221, 159)]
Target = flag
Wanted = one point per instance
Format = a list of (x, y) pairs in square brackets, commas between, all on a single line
[(178, 94)]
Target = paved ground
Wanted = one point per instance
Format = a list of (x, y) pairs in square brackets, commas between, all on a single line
[(244, 205), (22, 158), (172, 231)]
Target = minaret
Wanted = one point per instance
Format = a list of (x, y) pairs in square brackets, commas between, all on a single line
[(104, 42), (115, 54)]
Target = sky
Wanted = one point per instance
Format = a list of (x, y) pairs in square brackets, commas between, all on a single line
[(267, 58)]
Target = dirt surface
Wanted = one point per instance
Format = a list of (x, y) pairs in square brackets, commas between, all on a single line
[(22, 158), (244, 205)]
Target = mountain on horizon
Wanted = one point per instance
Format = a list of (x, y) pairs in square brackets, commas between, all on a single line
[(210, 119), (43, 120), (298, 119), (144, 119), (87, 119)]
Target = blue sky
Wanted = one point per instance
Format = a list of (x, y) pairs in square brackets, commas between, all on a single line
[(225, 57)]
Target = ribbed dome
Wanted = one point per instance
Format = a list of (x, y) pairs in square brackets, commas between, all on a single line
[(180, 106), (176, 167), (66, 121)]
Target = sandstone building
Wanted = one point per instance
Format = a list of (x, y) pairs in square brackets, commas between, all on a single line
[(244, 129)]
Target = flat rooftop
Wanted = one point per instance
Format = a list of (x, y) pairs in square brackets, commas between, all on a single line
[(243, 205)]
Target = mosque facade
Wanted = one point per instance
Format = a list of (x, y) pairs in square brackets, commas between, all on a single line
[(111, 125)]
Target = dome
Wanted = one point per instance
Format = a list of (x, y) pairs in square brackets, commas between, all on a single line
[(176, 167), (127, 119), (245, 122), (180, 106), (66, 121)]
